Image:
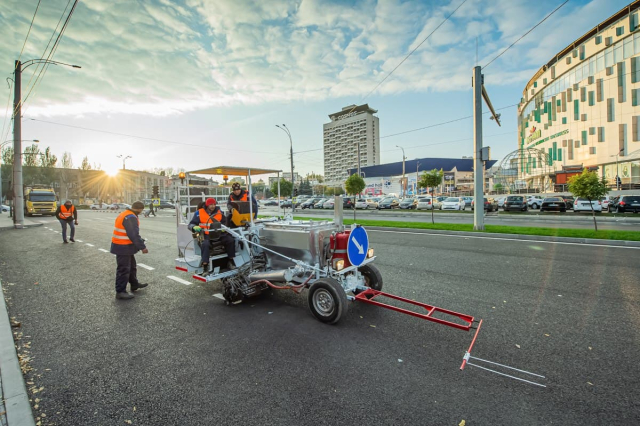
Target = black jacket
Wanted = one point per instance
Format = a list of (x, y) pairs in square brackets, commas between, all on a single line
[(232, 197), (130, 223)]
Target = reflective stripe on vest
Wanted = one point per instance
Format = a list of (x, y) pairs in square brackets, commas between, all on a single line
[(119, 232), (64, 213), (205, 219)]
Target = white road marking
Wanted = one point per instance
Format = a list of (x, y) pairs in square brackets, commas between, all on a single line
[(44, 221), (146, 266), (505, 239), (79, 241), (219, 296), (180, 280), (103, 250), (90, 245)]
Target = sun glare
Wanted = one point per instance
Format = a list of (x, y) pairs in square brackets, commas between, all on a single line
[(112, 171)]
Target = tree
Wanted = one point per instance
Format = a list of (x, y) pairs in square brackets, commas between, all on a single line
[(47, 163), (66, 163), (354, 184), (431, 180), (588, 185), (285, 187), (305, 188), (30, 156), (498, 187), (316, 177), (85, 164), (7, 155)]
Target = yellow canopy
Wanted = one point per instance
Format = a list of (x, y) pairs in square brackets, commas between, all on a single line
[(234, 171)]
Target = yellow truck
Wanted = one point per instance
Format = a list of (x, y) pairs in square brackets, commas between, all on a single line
[(39, 199)]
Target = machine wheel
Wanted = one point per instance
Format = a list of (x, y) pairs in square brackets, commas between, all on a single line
[(372, 277), (327, 300)]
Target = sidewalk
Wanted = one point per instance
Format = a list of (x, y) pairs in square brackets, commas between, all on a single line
[(15, 408), (6, 222)]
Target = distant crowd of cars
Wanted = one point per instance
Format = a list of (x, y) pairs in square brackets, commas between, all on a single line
[(513, 203)]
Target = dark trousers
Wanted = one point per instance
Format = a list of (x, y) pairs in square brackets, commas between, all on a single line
[(64, 224), (229, 246), (126, 272)]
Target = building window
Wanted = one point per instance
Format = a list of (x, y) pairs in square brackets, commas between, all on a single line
[(582, 52), (598, 39), (619, 31), (611, 112), (570, 149), (584, 137), (564, 120), (576, 143), (592, 98), (592, 131), (600, 134), (592, 150), (583, 94), (627, 49), (635, 97), (635, 69), (634, 128), (633, 22), (608, 41), (622, 136), (600, 90), (568, 60), (555, 151), (576, 110), (560, 155)]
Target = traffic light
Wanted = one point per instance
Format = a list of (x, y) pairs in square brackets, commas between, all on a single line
[(295, 192), (618, 181), (156, 194)]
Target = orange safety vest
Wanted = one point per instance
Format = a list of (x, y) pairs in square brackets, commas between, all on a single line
[(245, 197), (205, 219), (119, 232), (64, 213)]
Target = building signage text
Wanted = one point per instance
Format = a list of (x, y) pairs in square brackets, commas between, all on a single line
[(564, 132)]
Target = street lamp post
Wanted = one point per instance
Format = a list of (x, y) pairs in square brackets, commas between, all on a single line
[(403, 159), (1, 145), (285, 129), (417, 177), (18, 192), (618, 170), (124, 159)]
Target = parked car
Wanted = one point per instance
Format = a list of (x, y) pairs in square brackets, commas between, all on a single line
[(453, 203), (625, 204), (501, 201), (348, 202), (534, 202), (555, 204), (320, 203), (165, 205), (606, 201), (329, 204), (270, 202), (361, 203), (515, 202), (490, 204), (468, 201), (103, 206), (584, 205), (424, 203), (568, 200), (409, 203), (285, 204), (389, 203), (372, 203), (5, 208), (308, 204)]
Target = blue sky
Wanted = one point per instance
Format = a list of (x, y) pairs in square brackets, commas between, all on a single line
[(209, 80)]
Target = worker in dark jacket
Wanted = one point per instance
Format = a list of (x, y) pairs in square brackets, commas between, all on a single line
[(125, 243), (201, 222), (239, 194), (68, 216)]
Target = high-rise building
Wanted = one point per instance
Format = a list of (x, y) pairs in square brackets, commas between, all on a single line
[(352, 128)]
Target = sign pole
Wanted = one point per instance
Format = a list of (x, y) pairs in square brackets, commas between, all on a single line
[(478, 166)]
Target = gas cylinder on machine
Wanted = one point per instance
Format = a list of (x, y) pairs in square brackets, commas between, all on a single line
[(338, 243)]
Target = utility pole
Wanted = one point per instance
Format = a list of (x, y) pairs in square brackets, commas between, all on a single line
[(358, 145), (480, 154), (18, 190), (403, 159), (293, 181), (417, 177)]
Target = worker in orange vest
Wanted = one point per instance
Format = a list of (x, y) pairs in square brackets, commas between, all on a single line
[(125, 243), (201, 222), (68, 216)]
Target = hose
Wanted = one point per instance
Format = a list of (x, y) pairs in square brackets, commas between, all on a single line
[(295, 288)]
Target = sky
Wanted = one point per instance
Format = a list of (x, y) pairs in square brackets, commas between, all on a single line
[(200, 83)]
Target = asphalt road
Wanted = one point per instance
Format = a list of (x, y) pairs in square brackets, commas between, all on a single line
[(626, 222), (177, 355)]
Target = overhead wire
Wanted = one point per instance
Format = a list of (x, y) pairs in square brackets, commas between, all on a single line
[(525, 34), (29, 31)]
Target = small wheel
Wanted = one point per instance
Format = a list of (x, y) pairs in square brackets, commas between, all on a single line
[(327, 300), (534, 206), (372, 277)]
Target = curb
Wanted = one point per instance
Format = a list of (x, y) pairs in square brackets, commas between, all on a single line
[(543, 238), (16, 399), (26, 225)]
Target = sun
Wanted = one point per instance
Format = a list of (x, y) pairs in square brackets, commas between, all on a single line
[(112, 171)]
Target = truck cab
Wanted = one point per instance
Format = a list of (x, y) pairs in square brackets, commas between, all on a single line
[(40, 199)]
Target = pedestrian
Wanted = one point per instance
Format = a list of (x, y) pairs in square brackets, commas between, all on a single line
[(151, 210), (125, 243), (68, 216)]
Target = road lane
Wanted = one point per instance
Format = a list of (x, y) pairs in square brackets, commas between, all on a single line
[(180, 356)]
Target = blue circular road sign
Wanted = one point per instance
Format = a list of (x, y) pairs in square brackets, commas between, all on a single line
[(357, 246)]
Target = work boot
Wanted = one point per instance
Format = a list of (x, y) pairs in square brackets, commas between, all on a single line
[(124, 295), (72, 240), (65, 242), (231, 265), (138, 286)]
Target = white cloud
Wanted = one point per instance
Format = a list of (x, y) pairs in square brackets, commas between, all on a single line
[(161, 58)]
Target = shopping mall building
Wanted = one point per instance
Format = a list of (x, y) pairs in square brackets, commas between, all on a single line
[(582, 108)]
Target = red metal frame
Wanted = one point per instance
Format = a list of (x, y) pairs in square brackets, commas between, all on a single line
[(468, 353), (179, 268), (368, 295)]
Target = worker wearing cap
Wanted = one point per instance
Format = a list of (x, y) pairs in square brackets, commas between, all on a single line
[(201, 222), (68, 216), (125, 243), (239, 194)]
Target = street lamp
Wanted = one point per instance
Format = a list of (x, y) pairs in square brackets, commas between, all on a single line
[(1, 145), (18, 193), (618, 169), (123, 159), (285, 129), (403, 158)]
